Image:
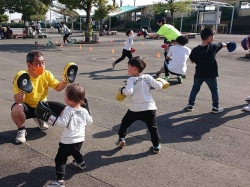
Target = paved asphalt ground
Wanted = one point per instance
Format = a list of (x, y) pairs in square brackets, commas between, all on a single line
[(198, 148)]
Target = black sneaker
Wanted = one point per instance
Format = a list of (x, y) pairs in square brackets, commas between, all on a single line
[(190, 108), (121, 142), (79, 165), (157, 74), (179, 79), (217, 110)]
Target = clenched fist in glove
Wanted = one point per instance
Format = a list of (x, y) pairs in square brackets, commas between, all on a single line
[(231, 46), (140, 33), (164, 46), (164, 82), (119, 94)]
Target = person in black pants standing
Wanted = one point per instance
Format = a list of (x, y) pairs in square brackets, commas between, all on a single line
[(66, 32), (126, 52)]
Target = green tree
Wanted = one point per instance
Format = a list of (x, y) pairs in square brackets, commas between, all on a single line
[(4, 17), (172, 6), (38, 17), (26, 7), (103, 10), (65, 12), (85, 5)]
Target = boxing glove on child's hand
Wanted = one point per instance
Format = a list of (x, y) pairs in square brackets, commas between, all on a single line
[(231, 46), (119, 94), (164, 82)]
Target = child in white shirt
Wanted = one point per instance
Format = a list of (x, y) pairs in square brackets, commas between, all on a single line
[(126, 52), (73, 119), (177, 55), (143, 106)]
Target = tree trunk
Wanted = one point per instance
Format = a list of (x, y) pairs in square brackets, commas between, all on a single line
[(88, 32), (172, 17)]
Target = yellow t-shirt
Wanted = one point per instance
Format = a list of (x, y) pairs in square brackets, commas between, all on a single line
[(40, 90), (169, 32)]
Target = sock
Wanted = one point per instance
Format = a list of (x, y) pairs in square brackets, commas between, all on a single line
[(22, 128)]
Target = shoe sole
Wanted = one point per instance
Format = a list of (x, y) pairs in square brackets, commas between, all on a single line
[(156, 152), (189, 109), (79, 166), (17, 141), (121, 144), (216, 112)]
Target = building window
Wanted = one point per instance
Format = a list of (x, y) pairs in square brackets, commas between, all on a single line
[(244, 5)]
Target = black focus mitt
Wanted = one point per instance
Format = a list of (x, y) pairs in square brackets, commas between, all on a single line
[(70, 72), (22, 82)]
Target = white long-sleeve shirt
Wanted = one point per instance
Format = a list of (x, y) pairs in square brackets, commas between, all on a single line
[(139, 88), (74, 122), (179, 55), (65, 29), (129, 43)]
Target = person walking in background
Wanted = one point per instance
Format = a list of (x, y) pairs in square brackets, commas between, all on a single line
[(66, 32)]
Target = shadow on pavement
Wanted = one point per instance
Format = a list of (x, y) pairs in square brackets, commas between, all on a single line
[(25, 48), (97, 159), (32, 134), (188, 128), (37, 177)]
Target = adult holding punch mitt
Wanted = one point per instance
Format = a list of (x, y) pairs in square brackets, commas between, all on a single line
[(31, 86)]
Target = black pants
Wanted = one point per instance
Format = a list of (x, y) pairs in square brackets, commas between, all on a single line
[(148, 116), (64, 151), (125, 53), (167, 71), (65, 38)]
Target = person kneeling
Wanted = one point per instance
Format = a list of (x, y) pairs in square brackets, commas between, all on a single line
[(176, 59)]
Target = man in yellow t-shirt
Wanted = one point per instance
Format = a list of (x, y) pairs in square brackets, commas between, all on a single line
[(170, 33), (25, 104), (167, 30)]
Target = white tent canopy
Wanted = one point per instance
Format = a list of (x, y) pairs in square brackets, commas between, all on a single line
[(201, 4)]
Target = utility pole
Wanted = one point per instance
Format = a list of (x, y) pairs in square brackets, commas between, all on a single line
[(134, 12)]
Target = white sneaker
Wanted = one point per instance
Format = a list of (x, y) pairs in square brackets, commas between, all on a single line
[(41, 124), (248, 99), (20, 137), (247, 108), (113, 65), (217, 110)]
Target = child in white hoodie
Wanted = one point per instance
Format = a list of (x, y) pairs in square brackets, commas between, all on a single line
[(74, 118)]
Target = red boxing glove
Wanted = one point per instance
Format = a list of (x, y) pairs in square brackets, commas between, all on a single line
[(164, 46), (140, 33)]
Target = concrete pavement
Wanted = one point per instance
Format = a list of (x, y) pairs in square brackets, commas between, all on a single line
[(198, 148)]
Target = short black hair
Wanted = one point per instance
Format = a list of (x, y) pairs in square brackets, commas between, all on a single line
[(30, 56), (207, 32), (137, 62), (128, 32), (182, 40), (161, 20)]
